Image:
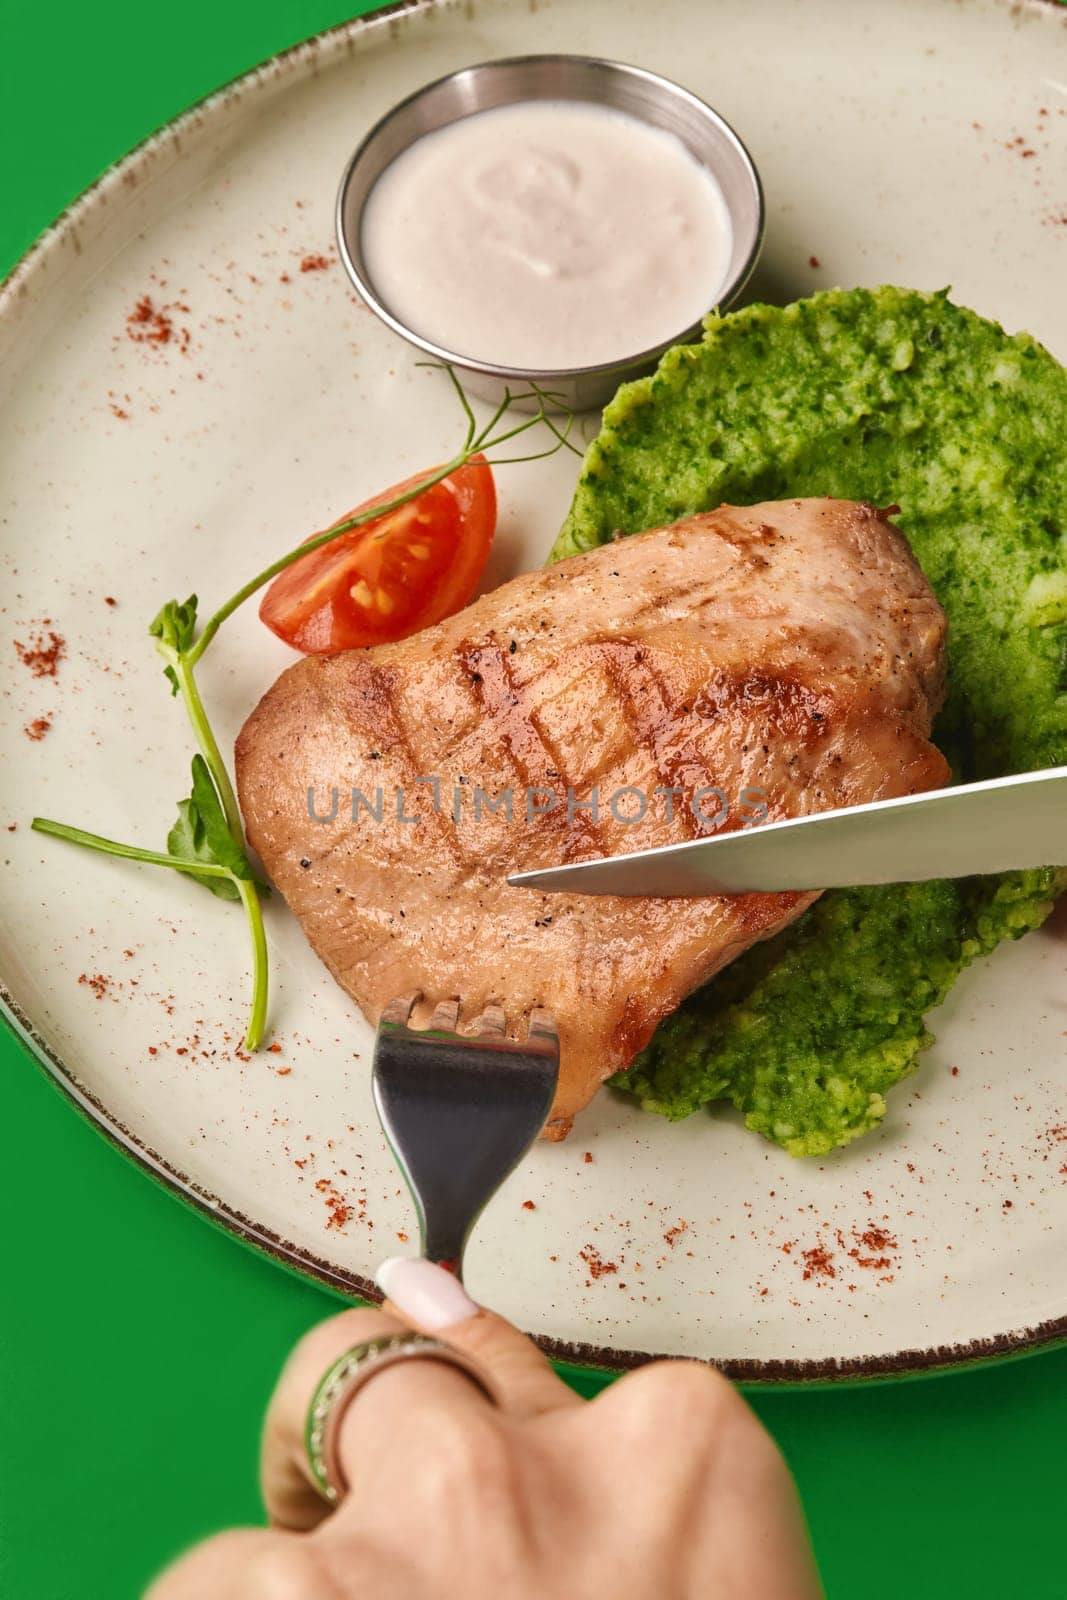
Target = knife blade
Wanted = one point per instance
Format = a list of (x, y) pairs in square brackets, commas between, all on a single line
[(975, 828)]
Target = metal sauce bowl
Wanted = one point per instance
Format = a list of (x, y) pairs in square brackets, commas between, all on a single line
[(641, 94)]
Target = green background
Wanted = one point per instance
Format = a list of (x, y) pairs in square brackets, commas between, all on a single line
[(137, 1345)]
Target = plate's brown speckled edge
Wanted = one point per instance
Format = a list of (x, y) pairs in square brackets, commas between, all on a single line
[(588, 1360), (591, 1361)]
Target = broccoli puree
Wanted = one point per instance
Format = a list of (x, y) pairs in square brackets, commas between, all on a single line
[(887, 396)]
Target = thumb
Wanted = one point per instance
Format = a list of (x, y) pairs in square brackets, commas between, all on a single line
[(432, 1299)]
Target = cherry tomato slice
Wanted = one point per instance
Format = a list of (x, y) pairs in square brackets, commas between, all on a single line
[(393, 575)]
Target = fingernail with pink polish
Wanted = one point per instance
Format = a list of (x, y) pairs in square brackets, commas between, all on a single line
[(430, 1295)]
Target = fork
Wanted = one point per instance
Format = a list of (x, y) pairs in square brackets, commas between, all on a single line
[(460, 1111)]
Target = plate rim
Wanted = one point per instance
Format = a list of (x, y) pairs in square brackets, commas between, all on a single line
[(590, 1363)]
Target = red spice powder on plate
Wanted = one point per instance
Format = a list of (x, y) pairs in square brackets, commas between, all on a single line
[(150, 324), (43, 653), (595, 1263), (99, 983), (340, 1211), (871, 1247), (819, 1262)]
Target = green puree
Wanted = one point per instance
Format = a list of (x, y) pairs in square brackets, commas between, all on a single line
[(886, 396)]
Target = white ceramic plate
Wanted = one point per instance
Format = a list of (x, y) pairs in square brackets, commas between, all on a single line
[(917, 141)]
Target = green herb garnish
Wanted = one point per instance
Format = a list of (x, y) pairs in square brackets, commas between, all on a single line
[(207, 842)]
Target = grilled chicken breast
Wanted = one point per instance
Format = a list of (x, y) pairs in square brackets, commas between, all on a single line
[(788, 655)]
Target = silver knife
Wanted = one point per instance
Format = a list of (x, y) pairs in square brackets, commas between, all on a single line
[(975, 828)]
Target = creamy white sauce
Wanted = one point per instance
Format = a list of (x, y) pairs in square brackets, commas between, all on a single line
[(547, 234)]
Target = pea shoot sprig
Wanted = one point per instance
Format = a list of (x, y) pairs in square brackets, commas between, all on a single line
[(207, 841)]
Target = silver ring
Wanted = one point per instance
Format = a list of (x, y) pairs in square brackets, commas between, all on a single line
[(339, 1384)]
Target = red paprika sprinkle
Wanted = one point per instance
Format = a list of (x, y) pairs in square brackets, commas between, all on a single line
[(597, 1266), (819, 1262), (43, 653)]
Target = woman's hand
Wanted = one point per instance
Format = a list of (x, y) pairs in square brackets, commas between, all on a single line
[(665, 1487)]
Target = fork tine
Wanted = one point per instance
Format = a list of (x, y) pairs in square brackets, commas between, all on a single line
[(542, 1025), (460, 1112), (491, 1024), (399, 1010), (445, 1016)]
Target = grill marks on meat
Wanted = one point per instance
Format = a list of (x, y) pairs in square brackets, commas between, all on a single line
[(511, 717), (793, 647)]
